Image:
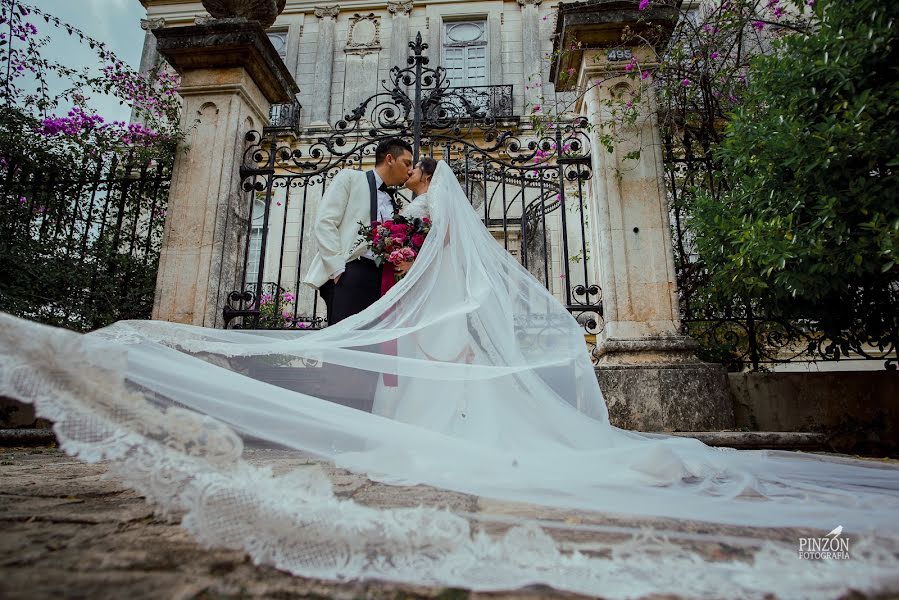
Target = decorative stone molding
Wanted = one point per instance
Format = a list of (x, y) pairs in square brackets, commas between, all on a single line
[(148, 24), (204, 20), (529, 2), (402, 5), (364, 34), (327, 11)]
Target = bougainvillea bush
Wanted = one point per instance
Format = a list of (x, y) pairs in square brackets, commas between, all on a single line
[(82, 197)]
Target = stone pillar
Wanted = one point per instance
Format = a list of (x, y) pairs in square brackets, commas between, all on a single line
[(363, 49), (649, 373), (149, 57), (230, 76), (495, 47), (324, 64), (530, 50), (399, 33)]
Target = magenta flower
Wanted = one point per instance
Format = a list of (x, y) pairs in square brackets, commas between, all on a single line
[(645, 75), (759, 25), (685, 82), (713, 55), (643, 4)]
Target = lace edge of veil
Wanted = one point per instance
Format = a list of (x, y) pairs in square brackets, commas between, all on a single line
[(190, 465)]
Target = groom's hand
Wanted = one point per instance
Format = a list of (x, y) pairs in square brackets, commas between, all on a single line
[(403, 267)]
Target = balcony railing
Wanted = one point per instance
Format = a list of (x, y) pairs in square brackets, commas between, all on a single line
[(489, 100), (285, 117)]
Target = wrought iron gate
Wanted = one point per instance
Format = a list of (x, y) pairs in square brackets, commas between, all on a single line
[(532, 189)]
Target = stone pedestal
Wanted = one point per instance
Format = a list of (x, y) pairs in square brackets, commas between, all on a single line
[(648, 371), (230, 76)]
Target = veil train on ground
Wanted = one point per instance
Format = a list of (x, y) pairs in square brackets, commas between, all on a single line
[(495, 396)]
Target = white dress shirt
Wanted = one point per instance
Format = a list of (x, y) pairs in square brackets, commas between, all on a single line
[(385, 211)]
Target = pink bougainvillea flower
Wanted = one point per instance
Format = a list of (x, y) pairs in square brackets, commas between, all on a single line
[(645, 75), (713, 55), (643, 4), (759, 25)]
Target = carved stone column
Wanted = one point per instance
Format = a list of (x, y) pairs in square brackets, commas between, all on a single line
[(649, 373), (530, 53), (324, 64), (399, 34), (149, 57), (230, 76)]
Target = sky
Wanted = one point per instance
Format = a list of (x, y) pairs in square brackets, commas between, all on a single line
[(115, 22)]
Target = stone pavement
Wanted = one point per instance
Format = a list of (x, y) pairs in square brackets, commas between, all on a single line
[(68, 533)]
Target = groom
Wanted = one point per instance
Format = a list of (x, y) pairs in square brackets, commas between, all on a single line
[(345, 273)]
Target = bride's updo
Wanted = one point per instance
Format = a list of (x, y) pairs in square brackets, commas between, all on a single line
[(428, 166)]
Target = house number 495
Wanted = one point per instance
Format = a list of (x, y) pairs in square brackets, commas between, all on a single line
[(619, 54)]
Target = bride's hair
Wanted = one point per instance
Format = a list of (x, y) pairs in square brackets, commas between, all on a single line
[(428, 166)]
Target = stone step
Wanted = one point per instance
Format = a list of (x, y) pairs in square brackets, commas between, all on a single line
[(759, 440), (26, 437), (744, 440)]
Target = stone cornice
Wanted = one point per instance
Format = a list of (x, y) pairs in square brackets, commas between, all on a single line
[(148, 24), (593, 24), (527, 2), (403, 6), (223, 45), (327, 11)]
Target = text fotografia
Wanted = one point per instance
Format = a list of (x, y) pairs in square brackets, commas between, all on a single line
[(829, 547)]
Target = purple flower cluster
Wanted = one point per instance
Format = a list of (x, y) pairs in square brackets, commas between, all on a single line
[(78, 122), (137, 89)]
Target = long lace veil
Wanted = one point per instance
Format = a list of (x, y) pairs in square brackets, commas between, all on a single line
[(469, 376)]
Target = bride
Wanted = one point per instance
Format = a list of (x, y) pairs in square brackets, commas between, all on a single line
[(494, 396)]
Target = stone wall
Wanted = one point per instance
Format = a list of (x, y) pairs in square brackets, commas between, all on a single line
[(859, 409)]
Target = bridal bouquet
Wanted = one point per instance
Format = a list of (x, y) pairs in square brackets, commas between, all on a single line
[(396, 240)]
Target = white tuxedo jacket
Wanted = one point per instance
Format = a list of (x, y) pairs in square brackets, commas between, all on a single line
[(349, 199)]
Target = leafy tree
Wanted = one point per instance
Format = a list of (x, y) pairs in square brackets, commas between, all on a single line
[(808, 225)]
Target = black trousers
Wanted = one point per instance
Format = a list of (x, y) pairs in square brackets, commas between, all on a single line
[(359, 287)]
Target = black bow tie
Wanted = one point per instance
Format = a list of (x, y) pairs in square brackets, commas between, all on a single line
[(390, 191)]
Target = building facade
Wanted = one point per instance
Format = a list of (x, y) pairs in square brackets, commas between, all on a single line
[(495, 53)]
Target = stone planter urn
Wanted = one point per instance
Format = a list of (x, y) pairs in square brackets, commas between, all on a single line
[(264, 11)]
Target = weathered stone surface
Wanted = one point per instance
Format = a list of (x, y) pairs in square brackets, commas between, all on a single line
[(857, 411), (225, 45), (264, 11), (667, 397), (68, 533)]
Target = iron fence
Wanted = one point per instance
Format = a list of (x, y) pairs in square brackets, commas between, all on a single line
[(79, 242)]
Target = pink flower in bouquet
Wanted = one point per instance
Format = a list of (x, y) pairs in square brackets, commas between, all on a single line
[(400, 256), (399, 239), (418, 240)]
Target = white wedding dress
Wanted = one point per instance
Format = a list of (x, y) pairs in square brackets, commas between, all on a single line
[(495, 396)]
